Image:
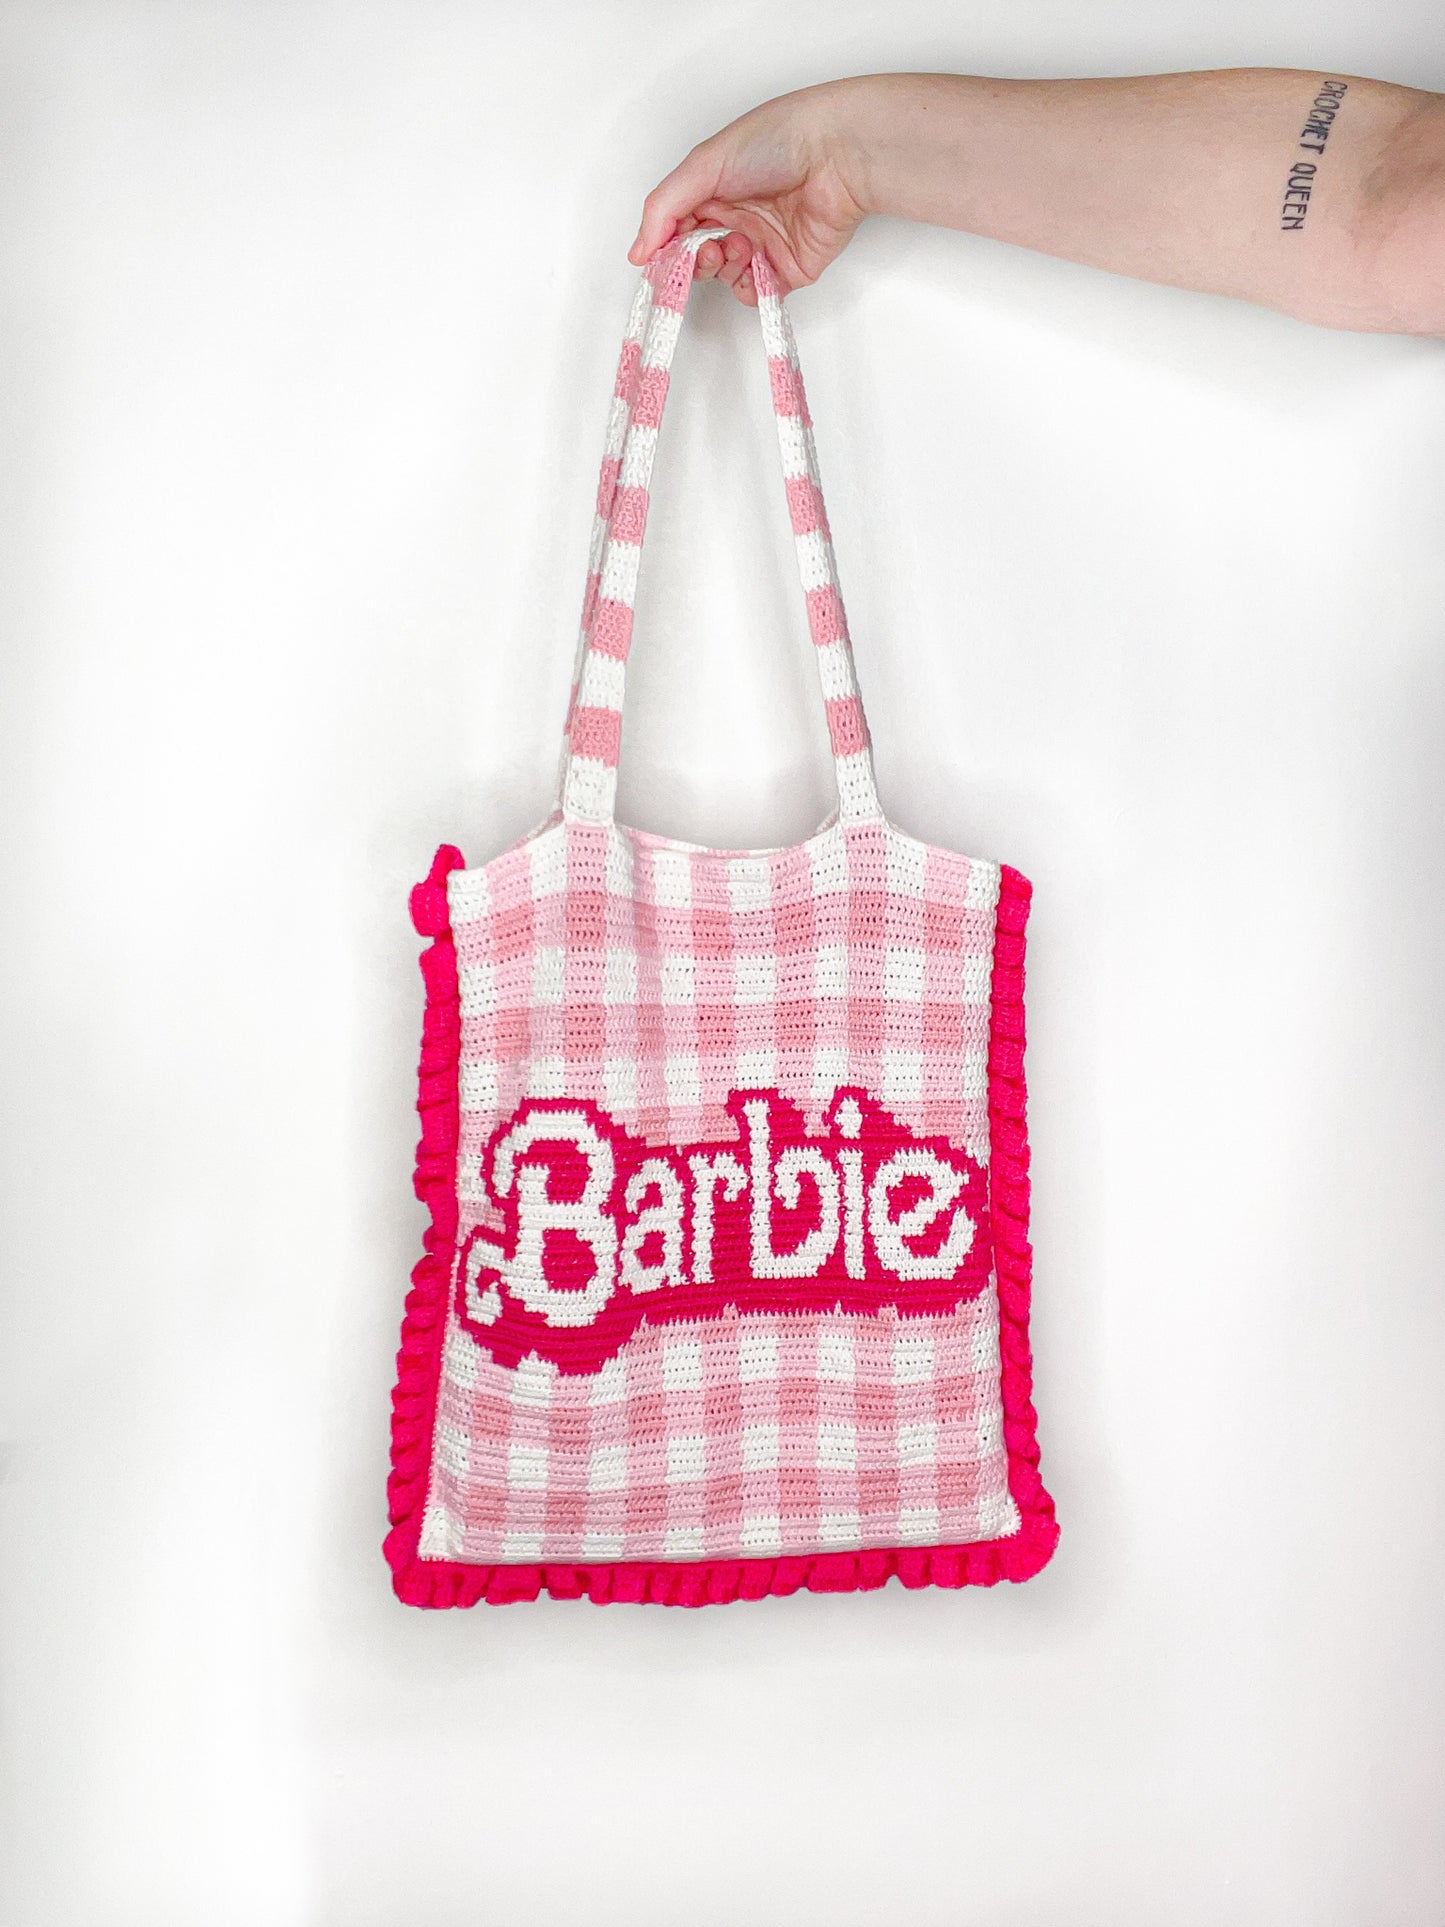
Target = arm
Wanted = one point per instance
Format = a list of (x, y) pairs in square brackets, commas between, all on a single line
[(1321, 195)]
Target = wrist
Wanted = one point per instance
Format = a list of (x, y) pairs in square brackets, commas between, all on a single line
[(845, 123), (886, 131)]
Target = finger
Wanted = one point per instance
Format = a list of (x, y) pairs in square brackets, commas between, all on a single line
[(711, 260), (676, 196), (735, 257), (736, 267), (762, 236)]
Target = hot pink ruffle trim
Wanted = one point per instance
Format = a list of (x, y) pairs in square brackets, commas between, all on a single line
[(705, 1582)]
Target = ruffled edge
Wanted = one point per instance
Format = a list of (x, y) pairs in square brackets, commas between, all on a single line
[(439, 1583)]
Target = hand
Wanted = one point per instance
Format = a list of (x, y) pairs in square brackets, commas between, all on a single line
[(783, 179)]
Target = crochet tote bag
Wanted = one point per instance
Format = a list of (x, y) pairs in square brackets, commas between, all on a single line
[(726, 1286)]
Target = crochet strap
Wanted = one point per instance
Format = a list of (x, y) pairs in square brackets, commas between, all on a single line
[(594, 723)]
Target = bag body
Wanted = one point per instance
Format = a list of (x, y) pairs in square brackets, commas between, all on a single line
[(726, 1285)]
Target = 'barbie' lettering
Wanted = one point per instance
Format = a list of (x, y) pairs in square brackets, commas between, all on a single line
[(594, 1230)]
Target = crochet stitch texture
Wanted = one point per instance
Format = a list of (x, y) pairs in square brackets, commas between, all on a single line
[(726, 1286)]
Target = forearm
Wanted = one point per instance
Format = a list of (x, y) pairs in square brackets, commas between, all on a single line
[(1233, 182)]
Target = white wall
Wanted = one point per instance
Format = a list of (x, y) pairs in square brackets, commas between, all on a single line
[(312, 317)]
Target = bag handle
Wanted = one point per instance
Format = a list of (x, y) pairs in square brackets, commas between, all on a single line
[(594, 721)]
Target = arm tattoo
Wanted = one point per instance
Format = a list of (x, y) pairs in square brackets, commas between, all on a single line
[(1313, 135)]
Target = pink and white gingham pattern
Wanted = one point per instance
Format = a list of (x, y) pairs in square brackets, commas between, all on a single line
[(744, 1436), (603, 963), (654, 979)]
